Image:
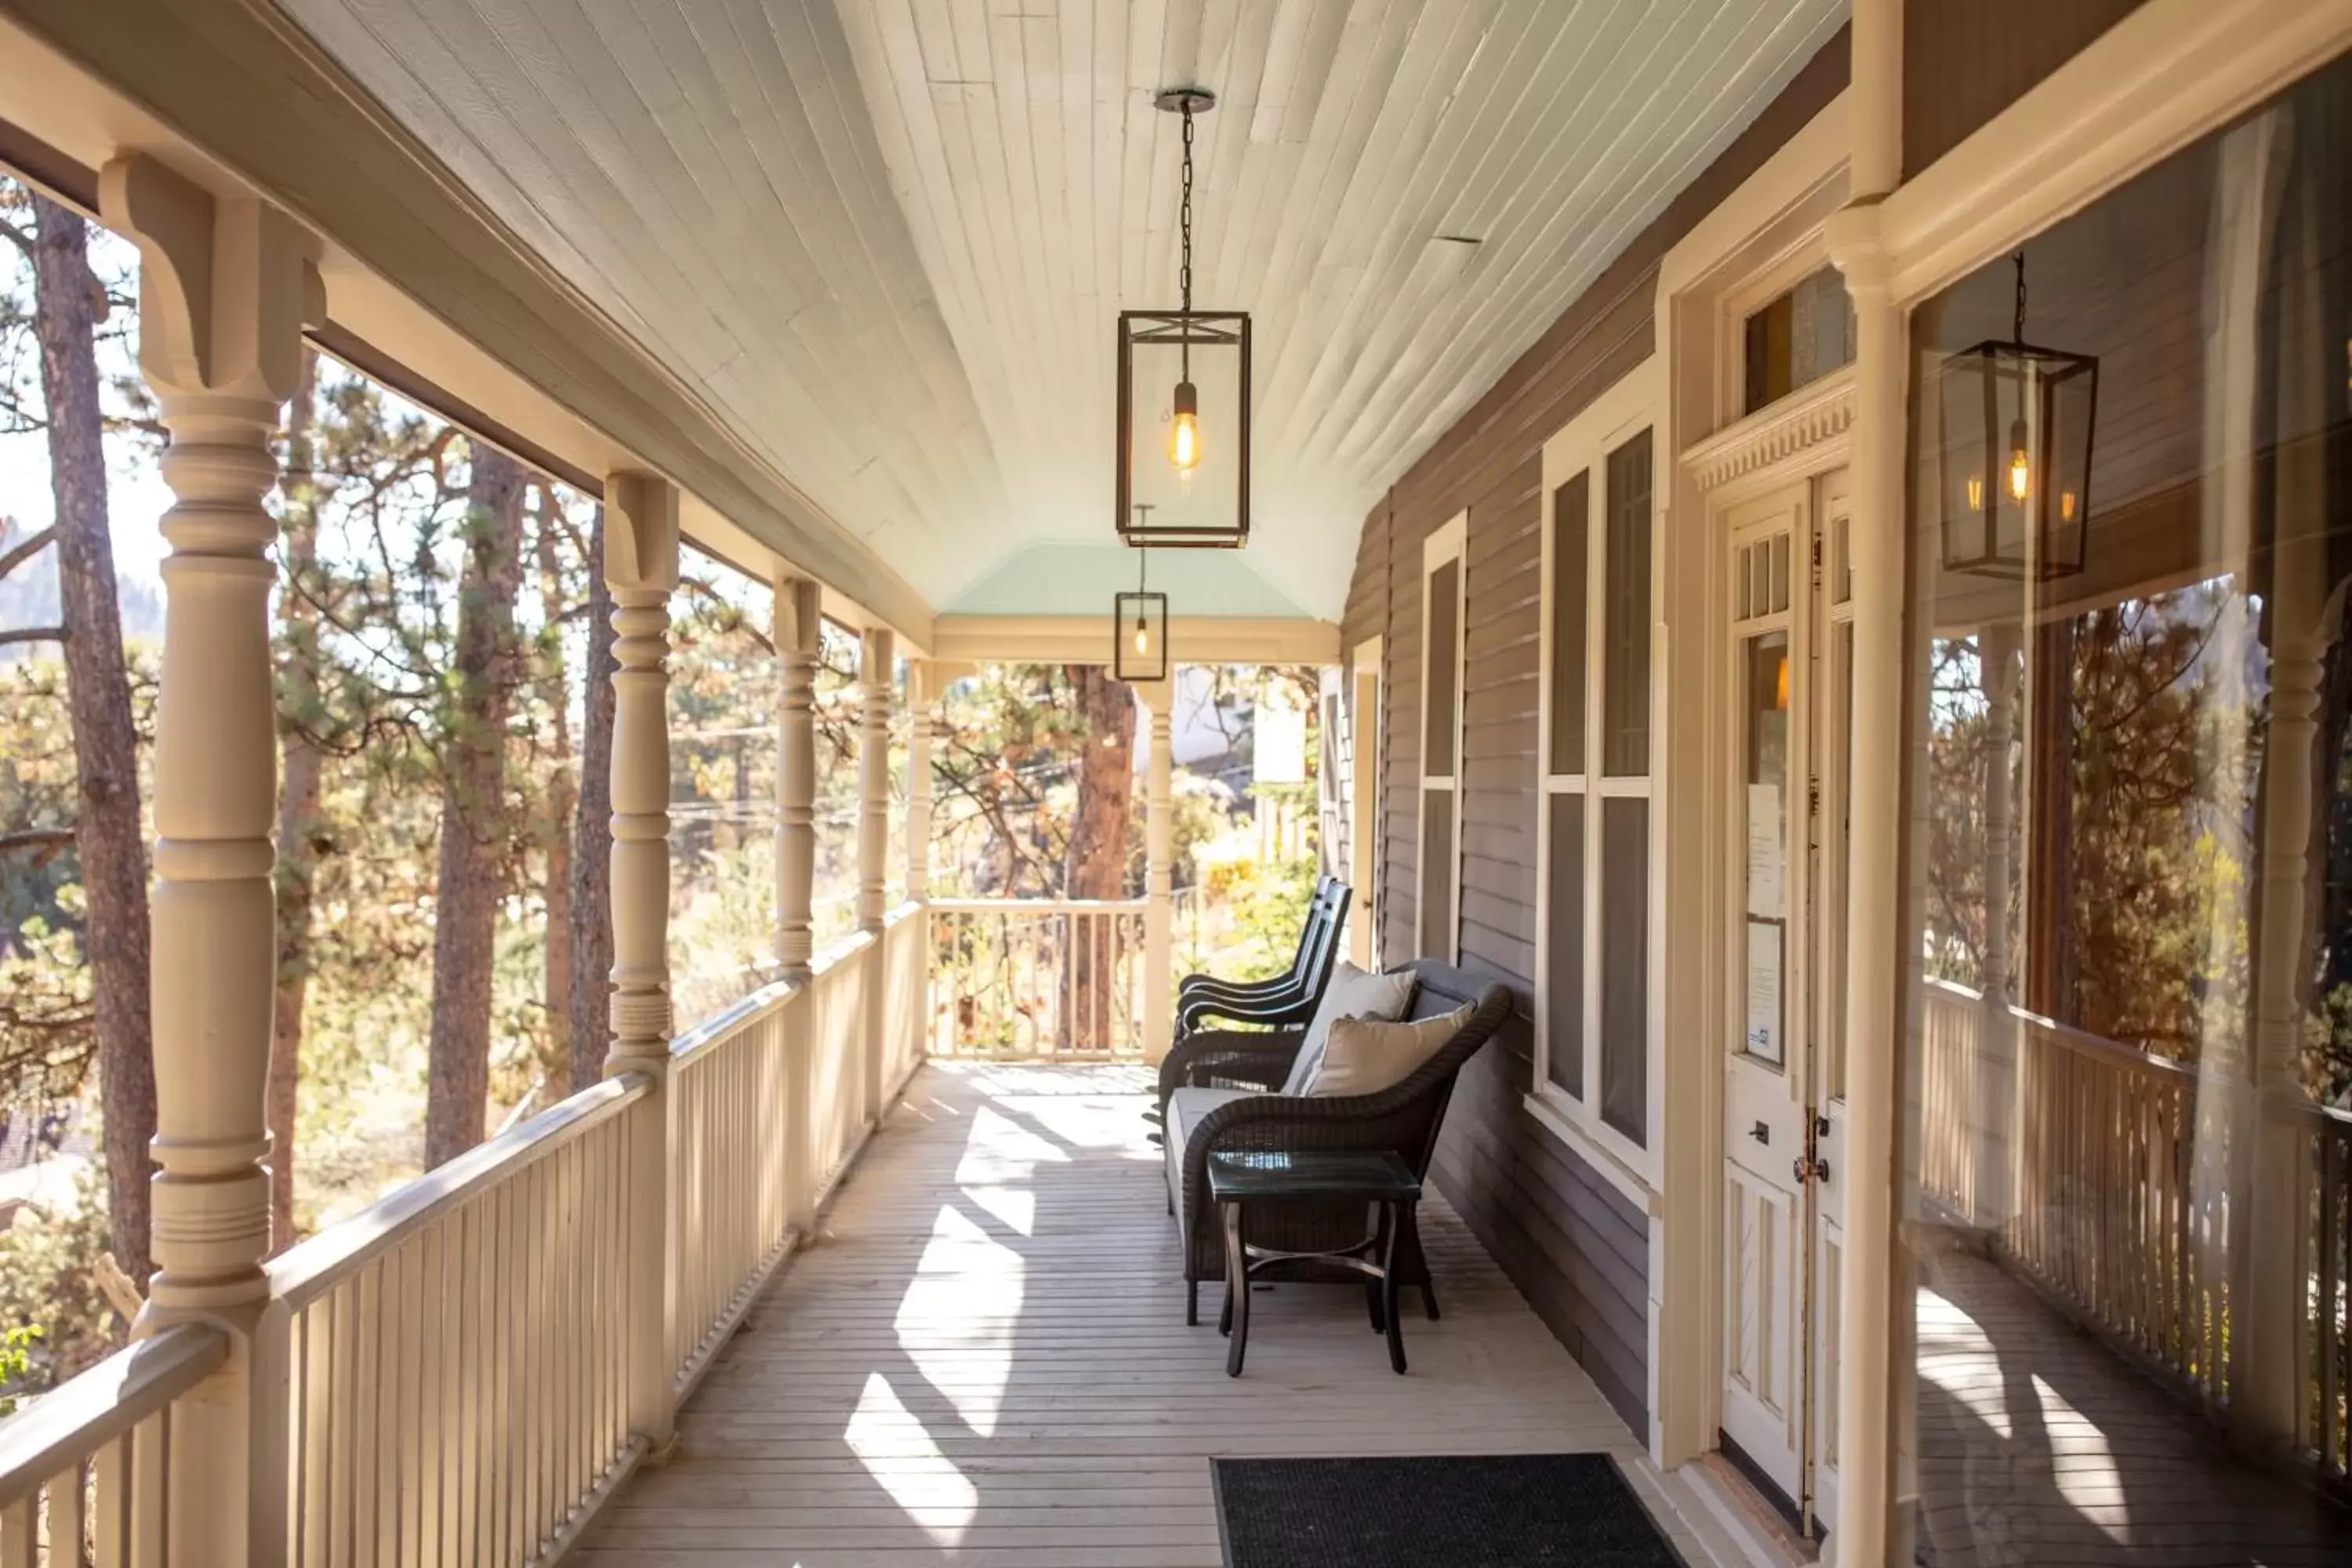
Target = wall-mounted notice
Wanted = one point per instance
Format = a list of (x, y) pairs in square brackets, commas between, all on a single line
[(1764, 990), (1766, 856)]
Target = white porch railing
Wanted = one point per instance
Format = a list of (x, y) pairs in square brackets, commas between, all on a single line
[(1020, 978), (454, 1360), (2083, 1157), (84, 1473)]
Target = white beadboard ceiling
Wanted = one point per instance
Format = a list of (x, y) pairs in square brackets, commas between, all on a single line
[(886, 240)]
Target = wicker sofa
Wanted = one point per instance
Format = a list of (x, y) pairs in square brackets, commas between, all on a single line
[(1217, 1092)]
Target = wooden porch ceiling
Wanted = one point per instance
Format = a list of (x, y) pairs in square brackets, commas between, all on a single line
[(884, 241)]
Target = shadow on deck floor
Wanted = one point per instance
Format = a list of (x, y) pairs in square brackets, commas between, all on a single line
[(2038, 1446)]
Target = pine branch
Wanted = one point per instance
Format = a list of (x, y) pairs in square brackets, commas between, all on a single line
[(42, 842), (25, 549), (32, 634)]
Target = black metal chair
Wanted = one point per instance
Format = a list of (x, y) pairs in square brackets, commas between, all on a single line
[(1286, 1001), (1289, 980), (1230, 1101)]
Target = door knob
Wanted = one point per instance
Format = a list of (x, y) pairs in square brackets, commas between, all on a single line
[(1760, 1132)]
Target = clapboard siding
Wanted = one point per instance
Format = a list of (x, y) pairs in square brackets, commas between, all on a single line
[(1963, 64), (1576, 1245)]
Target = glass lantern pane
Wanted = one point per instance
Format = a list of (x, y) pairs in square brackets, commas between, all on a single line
[(1206, 496)]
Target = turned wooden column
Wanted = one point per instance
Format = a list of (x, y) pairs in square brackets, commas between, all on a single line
[(1159, 846), (921, 715), (796, 629), (1995, 1154), (876, 687), (225, 285), (641, 568), (797, 620)]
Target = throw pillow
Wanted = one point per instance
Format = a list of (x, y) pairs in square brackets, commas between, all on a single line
[(1362, 1056), (1353, 993)]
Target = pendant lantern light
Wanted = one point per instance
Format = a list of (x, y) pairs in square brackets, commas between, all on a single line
[(1183, 457), (2013, 476)]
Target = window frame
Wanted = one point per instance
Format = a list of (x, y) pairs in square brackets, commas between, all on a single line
[(1585, 445), (1446, 545)]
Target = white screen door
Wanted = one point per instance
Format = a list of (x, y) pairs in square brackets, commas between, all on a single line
[(1789, 646)]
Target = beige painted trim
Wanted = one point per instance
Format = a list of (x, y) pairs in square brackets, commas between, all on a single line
[(237, 98), (1368, 677), (1764, 236), (1634, 402), (1447, 543), (2166, 75), (1087, 639)]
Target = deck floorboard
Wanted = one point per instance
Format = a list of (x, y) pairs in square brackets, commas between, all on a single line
[(983, 1361)]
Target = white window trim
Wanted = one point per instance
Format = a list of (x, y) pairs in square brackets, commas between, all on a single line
[(1449, 542), (1620, 413), (1369, 756)]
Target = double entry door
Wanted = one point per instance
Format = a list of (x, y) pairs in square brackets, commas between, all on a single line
[(1787, 752)]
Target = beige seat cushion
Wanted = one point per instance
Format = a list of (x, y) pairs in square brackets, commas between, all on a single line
[(1353, 993), (1363, 1057), (1186, 1108)]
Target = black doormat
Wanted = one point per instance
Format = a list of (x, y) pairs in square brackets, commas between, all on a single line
[(1505, 1511)]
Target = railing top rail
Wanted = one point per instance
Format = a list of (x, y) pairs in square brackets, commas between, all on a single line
[(1038, 906), (838, 952), (2081, 1041), (82, 1416), (700, 1038), (309, 1269)]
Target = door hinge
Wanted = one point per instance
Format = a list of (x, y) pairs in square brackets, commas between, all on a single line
[(1813, 798), (1817, 558)]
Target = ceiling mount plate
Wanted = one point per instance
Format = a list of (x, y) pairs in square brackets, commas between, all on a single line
[(1179, 99)]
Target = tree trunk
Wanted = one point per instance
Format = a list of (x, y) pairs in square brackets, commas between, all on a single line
[(1098, 847), (473, 796), (592, 838), (557, 823), (299, 794), (108, 833)]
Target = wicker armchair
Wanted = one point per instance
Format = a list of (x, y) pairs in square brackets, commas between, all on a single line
[(1219, 1091)]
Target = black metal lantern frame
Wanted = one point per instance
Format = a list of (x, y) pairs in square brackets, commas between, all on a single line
[(1138, 635), (1192, 523), (2013, 476), (1207, 447)]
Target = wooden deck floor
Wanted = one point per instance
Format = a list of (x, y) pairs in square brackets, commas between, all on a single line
[(2038, 1446), (983, 1361)]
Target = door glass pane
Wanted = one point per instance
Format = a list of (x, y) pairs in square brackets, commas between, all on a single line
[(1626, 650), (1564, 946), (1625, 966), (1444, 663), (1572, 529), (2124, 1184), (1764, 806), (1437, 874)]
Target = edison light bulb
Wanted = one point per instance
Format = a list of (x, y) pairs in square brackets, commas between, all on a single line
[(1142, 640), (1976, 492), (2066, 506), (2021, 472), (1185, 429)]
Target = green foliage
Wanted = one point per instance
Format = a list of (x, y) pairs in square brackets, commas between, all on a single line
[(16, 1360), (48, 1282)]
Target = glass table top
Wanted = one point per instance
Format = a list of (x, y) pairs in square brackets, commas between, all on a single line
[(1269, 1174)]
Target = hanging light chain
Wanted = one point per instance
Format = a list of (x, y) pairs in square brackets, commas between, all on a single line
[(1185, 216), (2019, 260)]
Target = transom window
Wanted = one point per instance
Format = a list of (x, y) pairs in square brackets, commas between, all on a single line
[(1593, 958), (1796, 338)]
